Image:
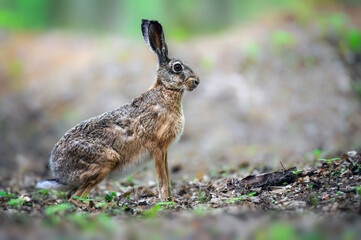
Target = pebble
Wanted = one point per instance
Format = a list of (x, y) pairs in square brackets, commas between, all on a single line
[(295, 204)]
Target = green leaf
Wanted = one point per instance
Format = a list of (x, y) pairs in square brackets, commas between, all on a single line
[(165, 204), (201, 196), (16, 202), (151, 213), (82, 199), (101, 204), (42, 191), (297, 171), (108, 197), (252, 193), (232, 200), (4, 194), (328, 160), (51, 210), (354, 40)]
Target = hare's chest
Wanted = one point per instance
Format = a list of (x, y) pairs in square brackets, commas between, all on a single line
[(180, 127), (170, 128)]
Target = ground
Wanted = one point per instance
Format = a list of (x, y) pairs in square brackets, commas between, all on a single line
[(220, 205)]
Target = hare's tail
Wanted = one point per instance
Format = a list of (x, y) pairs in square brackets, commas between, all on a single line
[(53, 184)]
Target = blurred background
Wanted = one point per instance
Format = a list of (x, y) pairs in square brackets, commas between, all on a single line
[(280, 80)]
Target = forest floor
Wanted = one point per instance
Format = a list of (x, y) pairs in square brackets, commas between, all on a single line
[(314, 203)]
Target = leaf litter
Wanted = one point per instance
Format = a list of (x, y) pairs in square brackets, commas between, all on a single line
[(331, 188)]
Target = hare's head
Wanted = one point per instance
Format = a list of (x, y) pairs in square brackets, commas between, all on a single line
[(173, 74)]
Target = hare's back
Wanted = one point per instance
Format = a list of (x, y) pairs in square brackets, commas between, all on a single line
[(89, 137)]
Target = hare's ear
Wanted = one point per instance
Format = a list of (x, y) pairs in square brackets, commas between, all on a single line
[(154, 37)]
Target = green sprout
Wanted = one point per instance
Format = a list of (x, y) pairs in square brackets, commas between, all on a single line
[(4, 194), (42, 191), (165, 204), (110, 196), (101, 204), (232, 200), (51, 210), (48, 192), (329, 161), (353, 37), (202, 196), (296, 172), (15, 203), (151, 213), (83, 198)]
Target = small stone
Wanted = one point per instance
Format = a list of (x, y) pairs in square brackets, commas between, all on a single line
[(279, 191), (306, 179), (26, 199), (295, 204), (351, 153)]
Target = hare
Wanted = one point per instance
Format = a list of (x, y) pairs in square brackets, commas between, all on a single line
[(115, 142)]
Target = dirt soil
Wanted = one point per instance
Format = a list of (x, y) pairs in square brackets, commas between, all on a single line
[(331, 190)]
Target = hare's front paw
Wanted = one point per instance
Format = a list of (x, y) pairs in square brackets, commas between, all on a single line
[(164, 195), (170, 191), (79, 203)]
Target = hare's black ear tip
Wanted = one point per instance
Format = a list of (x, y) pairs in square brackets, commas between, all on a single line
[(145, 27), (147, 22)]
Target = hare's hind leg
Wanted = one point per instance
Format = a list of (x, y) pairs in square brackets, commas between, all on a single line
[(88, 186), (95, 173)]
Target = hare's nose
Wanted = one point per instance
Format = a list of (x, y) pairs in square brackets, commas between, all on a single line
[(196, 81)]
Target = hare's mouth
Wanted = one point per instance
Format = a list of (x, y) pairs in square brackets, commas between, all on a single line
[(192, 83)]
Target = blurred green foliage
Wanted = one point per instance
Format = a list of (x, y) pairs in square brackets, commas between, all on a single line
[(24, 14), (354, 40), (182, 18), (283, 39)]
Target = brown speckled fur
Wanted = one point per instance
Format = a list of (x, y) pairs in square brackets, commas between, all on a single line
[(114, 142)]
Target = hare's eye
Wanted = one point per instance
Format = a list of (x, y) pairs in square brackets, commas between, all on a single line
[(177, 67)]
